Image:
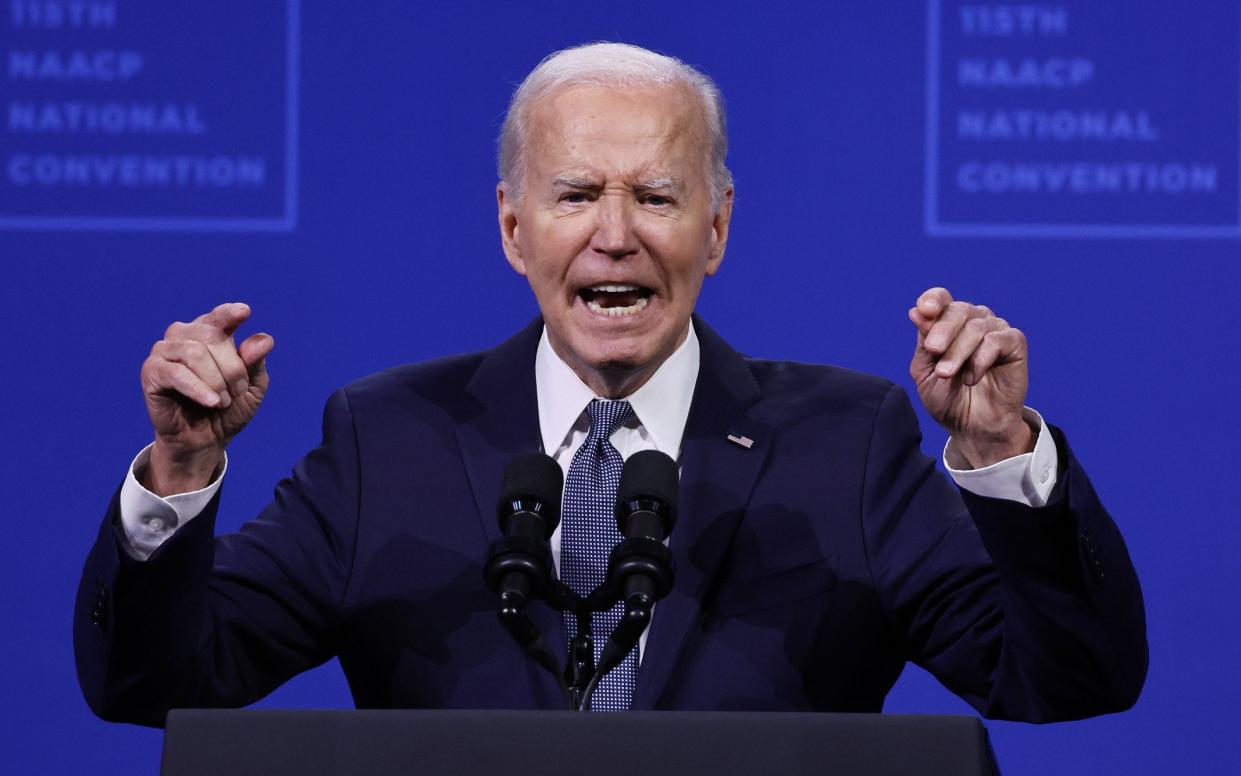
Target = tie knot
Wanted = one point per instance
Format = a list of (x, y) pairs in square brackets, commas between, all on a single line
[(607, 416)]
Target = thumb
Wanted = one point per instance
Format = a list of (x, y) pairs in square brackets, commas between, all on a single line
[(254, 350)]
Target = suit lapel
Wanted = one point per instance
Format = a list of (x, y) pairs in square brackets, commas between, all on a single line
[(717, 477), (506, 426)]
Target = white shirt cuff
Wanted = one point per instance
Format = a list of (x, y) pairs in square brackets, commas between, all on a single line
[(148, 519), (1027, 478)]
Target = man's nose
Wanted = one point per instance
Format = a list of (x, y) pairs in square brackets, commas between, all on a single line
[(614, 227)]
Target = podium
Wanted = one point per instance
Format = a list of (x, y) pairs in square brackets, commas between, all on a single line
[(673, 743)]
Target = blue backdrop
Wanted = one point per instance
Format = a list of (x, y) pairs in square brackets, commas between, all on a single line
[(1075, 166)]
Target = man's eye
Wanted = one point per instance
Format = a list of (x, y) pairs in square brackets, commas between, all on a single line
[(574, 197), (656, 200)]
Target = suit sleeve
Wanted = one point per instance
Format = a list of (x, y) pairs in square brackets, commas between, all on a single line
[(1027, 613), (221, 622)]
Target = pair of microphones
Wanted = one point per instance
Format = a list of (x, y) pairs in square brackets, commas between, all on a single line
[(640, 568)]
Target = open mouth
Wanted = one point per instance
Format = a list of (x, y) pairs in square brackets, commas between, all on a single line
[(615, 299)]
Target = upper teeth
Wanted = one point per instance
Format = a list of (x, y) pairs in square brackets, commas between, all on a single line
[(613, 289)]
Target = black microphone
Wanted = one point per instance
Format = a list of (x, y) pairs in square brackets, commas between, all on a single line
[(519, 567), (640, 567)]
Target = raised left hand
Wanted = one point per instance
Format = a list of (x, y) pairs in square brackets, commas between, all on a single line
[(971, 371)]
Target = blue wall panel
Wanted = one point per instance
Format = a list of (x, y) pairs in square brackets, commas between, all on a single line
[(372, 241)]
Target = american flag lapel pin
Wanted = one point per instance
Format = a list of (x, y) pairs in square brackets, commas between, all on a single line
[(744, 441)]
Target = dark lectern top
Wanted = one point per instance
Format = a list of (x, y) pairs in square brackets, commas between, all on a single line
[(500, 743)]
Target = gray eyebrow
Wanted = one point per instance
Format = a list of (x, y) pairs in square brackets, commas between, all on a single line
[(575, 182), (659, 183), (580, 182)]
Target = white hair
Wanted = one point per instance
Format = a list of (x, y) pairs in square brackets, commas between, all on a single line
[(612, 64)]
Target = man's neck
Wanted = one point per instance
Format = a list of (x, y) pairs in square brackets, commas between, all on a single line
[(661, 402)]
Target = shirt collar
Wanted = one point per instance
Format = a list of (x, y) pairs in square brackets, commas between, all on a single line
[(661, 404)]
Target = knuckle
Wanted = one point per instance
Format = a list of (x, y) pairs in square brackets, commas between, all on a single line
[(231, 374), (225, 355), (175, 329), (225, 349), (213, 378), (205, 332), (976, 325), (160, 376), (1001, 340)]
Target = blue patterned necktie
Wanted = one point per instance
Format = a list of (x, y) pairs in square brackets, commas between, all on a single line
[(588, 534)]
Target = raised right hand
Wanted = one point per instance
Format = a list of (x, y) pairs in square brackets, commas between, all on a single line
[(201, 390)]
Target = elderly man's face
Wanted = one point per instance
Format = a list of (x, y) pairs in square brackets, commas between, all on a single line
[(615, 229)]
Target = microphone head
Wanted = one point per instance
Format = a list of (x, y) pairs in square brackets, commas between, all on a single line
[(532, 482), (649, 476)]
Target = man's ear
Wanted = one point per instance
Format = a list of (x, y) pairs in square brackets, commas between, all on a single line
[(506, 204), (719, 232)]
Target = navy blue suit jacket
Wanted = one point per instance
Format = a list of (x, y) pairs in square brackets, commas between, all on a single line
[(809, 568)]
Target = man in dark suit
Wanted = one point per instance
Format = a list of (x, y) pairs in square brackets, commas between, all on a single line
[(818, 550)]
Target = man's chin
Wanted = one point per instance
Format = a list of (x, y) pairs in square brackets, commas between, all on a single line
[(613, 360), (616, 348), (619, 367), (621, 353)]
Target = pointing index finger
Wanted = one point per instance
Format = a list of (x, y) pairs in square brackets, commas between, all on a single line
[(227, 317), (933, 301)]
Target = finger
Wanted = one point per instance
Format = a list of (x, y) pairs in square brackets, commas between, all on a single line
[(229, 362), (921, 321), (998, 347), (220, 345), (196, 356), (254, 351), (945, 330), (963, 346), (173, 376), (196, 330), (933, 301), (226, 317)]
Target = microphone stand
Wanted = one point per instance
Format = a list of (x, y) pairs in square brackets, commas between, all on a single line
[(581, 675)]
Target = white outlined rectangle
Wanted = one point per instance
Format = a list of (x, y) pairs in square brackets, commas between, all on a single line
[(934, 227), (285, 222)]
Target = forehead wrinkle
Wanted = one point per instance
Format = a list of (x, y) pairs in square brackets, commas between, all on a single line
[(676, 133)]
